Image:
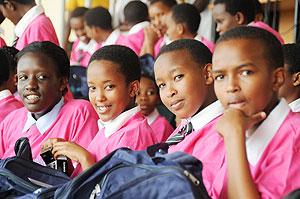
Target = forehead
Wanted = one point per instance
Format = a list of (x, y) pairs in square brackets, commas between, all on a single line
[(237, 52), (76, 21), (30, 60), (145, 81), (102, 69), (158, 8), (219, 9)]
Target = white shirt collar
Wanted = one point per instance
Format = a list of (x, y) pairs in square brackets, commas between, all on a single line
[(44, 122), (139, 26), (4, 94), (33, 13), (113, 125), (260, 138), (112, 38), (206, 115), (152, 116), (295, 105), (89, 47)]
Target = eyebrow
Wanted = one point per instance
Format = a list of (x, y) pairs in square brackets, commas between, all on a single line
[(238, 67)]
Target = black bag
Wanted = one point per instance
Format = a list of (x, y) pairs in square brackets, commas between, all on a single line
[(20, 175), (131, 174)]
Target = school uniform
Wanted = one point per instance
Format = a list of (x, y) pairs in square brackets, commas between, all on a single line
[(130, 129), (34, 26), (112, 38), (135, 37), (82, 52), (74, 121), (210, 45), (199, 122), (262, 25), (8, 103), (295, 105), (272, 151), (161, 127), (2, 42)]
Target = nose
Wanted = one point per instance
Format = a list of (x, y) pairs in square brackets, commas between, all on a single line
[(171, 91), (218, 28), (100, 96), (232, 85), (32, 84)]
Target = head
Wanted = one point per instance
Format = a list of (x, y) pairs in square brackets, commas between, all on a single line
[(158, 10), (42, 74), (229, 14), (11, 53), (77, 23), (248, 69), (135, 12), (182, 78), (182, 22), (14, 10), (291, 87), (113, 79), (147, 96), (97, 20)]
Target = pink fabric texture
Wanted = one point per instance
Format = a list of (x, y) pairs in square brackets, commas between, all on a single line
[(8, 105), (162, 128)]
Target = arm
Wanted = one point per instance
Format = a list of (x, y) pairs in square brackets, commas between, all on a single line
[(150, 39), (232, 126)]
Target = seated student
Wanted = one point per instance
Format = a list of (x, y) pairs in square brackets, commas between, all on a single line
[(30, 20), (83, 47), (147, 99), (136, 18), (8, 102), (251, 151), (42, 72), (291, 87), (154, 33), (183, 22), (97, 22), (113, 78), (178, 68), (232, 13)]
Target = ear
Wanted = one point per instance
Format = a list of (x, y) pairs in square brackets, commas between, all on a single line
[(208, 74), (180, 29), (134, 88), (278, 78), (63, 83), (240, 18), (296, 79), (10, 5)]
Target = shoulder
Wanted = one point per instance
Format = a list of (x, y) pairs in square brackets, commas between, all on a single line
[(78, 106)]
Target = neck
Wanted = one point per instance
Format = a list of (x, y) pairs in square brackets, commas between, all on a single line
[(22, 10), (210, 98), (105, 34)]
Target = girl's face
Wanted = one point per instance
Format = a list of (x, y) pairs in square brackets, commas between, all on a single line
[(77, 24), (147, 97), (109, 93), (39, 85), (243, 78), (182, 83), (157, 12)]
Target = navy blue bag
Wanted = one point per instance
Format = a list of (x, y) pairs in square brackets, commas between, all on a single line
[(135, 174), (19, 175)]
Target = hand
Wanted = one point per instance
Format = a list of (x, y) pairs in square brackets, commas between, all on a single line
[(152, 34), (49, 143), (234, 123)]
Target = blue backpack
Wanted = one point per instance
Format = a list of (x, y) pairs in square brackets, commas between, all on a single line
[(131, 174)]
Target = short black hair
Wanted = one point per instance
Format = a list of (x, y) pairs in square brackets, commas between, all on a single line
[(98, 17), (78, 12), (169, 3), (4, 69), (187, 14), (128, 61), (271, 45), (291, 54), (11, 53), (198, 51), (136, 12), (55, 53), (246, 7)]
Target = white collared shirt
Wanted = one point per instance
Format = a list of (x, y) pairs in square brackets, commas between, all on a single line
[(44, 122), (139, 26), (29, 16), (113, 125), (295, 105), (257, 142), (90, 47), (206, 115), (4, 94), (112, 38), (152, 116)]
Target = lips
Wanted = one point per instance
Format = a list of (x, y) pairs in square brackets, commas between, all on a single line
[(177, 104), (32, 98), (237, 104), (102, 109)]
